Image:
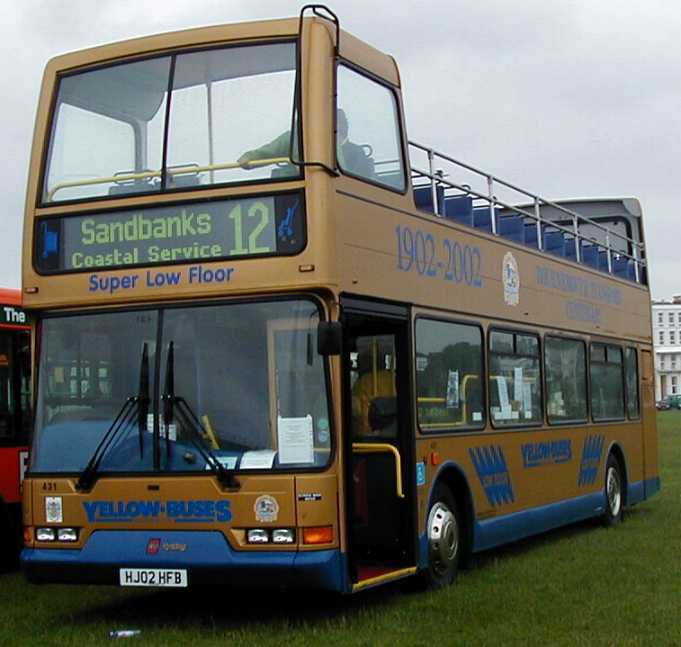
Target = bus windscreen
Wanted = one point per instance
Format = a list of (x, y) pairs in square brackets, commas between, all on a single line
[(245, 371), (218, 116)]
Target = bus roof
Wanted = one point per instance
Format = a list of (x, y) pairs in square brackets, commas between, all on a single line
[(351, 47)]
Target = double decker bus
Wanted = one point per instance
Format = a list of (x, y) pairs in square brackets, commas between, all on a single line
[(279, 344), (15, 418)]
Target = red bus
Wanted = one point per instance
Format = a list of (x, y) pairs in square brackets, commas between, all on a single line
[(15, 418)]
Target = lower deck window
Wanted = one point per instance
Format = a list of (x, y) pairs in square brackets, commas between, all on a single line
[(514, 379), (607, 388), (631, 372), (565, 366), (449, 375)]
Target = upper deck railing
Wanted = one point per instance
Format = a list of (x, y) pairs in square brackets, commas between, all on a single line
[(612, 251)]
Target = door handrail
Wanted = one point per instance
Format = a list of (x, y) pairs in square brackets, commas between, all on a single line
[(384, 448)]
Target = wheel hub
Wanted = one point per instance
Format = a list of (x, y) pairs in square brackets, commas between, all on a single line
[(613, 491), (443, 537)]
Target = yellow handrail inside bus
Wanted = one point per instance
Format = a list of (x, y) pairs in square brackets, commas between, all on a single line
[(210, 432), (384, 448), (145, 175), (439, 400)]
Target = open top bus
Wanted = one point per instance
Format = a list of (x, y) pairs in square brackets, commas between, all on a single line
[(282, 345)]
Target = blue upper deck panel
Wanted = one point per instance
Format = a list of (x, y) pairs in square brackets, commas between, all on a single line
[(605, 234)]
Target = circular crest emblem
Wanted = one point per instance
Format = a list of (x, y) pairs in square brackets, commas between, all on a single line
[(510, 277), (266, 508)]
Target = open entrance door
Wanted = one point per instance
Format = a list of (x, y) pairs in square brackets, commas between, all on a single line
[(378, 444)]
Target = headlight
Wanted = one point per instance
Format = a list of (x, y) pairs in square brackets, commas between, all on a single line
[(67, 534), (283, 536), (45, 534), (258, 536)]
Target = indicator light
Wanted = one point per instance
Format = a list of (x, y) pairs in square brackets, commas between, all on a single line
[(318, 535)]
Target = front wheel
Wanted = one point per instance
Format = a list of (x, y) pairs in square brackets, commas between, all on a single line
[(614, 492), (444, 539)]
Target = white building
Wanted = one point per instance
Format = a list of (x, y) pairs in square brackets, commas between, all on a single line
[(667, 342)]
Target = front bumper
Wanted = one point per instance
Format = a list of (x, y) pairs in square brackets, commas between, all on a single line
[(207, 556)]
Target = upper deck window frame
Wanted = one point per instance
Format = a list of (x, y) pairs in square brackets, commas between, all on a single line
[(172, 54), (343, 62)]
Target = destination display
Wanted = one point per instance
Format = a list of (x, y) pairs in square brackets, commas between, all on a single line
[(14, 316), (261, 226)]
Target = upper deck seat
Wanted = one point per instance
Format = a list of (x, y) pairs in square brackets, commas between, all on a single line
[(481, 219), (624, 268), (135, 186), (554, 242), (423, 198), (181, 181), (460, 209), (511, 227), (530, 234), (603, 260), (571, 249), (590, 255)]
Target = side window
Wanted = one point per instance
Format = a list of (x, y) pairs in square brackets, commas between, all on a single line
[(7, 395), (565, 368), (514, 379), (368, 130), (449, 387), (607, 388), (373, 381), (23, 377), (631, 375)]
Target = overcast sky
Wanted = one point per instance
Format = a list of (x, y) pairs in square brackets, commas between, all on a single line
[(566, 98)]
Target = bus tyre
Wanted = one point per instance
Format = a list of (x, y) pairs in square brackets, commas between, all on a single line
[(614, 492), (444, 539), (6, 547)]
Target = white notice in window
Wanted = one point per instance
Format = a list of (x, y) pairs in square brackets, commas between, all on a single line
[(296, 442), (527, 400), (452, 397), (258, 459), (502, 388), (518, 383)]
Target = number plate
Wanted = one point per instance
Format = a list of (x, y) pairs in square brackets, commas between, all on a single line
[(174, 577)]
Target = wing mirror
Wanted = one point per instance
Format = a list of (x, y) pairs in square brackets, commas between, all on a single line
[(329, 338)]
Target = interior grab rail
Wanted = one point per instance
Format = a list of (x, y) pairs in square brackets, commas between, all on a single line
[(384, 448)]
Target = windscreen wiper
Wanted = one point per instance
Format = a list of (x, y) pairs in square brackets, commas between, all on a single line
[(134, 407), (144, 399), (177, 407)]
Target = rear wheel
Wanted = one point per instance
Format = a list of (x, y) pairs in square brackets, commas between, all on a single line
[(614, 492), (443, 530), (7, 545)]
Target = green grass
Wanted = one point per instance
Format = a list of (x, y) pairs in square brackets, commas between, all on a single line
[(583, 585)]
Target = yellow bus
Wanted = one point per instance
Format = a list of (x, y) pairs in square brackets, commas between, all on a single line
[(279, 344)]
